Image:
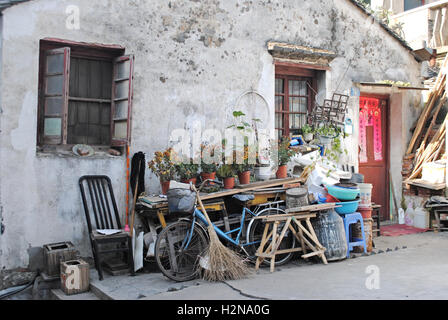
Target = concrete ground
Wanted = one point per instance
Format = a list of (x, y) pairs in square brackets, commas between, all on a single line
[(405, 267)]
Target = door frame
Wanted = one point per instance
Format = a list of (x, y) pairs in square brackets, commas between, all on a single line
[(387, 111)]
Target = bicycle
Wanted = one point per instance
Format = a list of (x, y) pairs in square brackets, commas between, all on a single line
[(179, 246)]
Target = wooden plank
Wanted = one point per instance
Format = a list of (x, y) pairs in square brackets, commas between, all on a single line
[(272, 183), (268, 183), (283, 217), (314, 253), (426, 184), (314, 207), (274, 239), (262, 244)]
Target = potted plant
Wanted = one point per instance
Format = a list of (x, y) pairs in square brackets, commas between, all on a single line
[(187, 172), (242, 166), (208, 166), (262, 171), (227, 173), (163, 167), (307, 131), (327, 133), (284, 155)]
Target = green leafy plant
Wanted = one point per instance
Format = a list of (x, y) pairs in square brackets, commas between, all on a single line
[(212, 165), (328, 131), (187, 171), (225, 171), (307, 129), (284, 152), (240, 123)]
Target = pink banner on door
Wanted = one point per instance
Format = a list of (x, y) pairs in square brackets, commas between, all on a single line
[(370, 115)]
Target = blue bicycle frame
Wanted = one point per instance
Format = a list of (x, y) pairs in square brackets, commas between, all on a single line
[(225, 235)]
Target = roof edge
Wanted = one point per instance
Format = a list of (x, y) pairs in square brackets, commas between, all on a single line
[(387, 29)]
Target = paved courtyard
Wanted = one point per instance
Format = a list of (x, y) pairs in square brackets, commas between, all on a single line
[(405, 267)]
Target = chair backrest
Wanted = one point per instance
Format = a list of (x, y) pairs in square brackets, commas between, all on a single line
[(99, 202)]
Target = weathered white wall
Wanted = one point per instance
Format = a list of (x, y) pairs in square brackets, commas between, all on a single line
[(192, 60)]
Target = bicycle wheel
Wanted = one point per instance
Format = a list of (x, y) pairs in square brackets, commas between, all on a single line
[(174, 260), (255, 233)]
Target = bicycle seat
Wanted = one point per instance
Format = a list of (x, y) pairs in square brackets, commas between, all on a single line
[(243, 197)]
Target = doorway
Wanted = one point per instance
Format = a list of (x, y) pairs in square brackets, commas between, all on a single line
[(374, 148)]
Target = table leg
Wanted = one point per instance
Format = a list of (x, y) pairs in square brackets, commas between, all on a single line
[(274, 239), (161, 219)]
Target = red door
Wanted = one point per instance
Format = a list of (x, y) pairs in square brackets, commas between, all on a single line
[(373, 149)]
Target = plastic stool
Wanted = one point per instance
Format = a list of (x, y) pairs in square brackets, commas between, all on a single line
[(353, 218)]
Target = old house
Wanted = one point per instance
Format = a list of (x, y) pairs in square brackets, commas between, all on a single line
[(67, 66)]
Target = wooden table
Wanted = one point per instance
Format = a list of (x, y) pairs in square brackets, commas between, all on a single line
[(304, 233), (262, 190)]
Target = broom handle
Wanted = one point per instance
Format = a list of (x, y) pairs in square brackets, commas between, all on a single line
[(135, 198), (201, 205)]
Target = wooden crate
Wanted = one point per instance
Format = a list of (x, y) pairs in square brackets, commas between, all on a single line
[(74, 276), (54, 253)]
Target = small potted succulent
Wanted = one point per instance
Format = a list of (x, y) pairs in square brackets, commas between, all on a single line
[(187, 172), (163, 167), (284, 155), (227, 173), (307, 131)]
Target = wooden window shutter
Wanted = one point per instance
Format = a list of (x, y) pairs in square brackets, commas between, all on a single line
[(55, 96), (122, 90)]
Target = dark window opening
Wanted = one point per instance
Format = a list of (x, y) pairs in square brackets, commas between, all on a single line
[(85, 94), (412, 4)]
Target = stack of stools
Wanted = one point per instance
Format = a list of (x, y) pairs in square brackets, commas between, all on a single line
[(346, 197)]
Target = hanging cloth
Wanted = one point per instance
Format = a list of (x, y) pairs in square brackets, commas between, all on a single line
[(370, 115), (138, 158)]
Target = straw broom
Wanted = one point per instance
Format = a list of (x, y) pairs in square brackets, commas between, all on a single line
[(223, 263)]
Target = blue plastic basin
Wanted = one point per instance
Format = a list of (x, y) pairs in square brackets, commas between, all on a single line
[(343, 193), (347, 207)]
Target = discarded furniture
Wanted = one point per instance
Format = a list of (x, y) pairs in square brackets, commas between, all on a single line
[(99, 202), (54, 253), (376, 209), (74, 276), (349, 219), (437, 210), (297, 221)]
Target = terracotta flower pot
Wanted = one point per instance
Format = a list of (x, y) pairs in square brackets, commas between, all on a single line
[(282, 172), (165, 186), (229, 183), (192, 180), (244, 177), (207, 175)]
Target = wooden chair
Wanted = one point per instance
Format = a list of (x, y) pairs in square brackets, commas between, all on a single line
[(99, 202)]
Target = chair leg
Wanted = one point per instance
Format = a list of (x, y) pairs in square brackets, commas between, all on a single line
[(363, 235), (131, 256), (347, 234), (96, 256)]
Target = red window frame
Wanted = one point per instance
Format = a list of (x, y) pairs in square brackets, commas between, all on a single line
[(285, 111)]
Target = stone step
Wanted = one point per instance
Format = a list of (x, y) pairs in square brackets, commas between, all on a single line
[(58, 294)]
